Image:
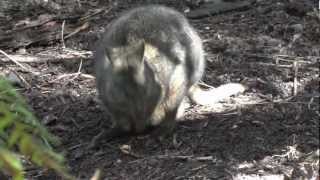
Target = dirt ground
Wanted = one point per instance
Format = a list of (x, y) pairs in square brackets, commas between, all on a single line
[(271, 131)]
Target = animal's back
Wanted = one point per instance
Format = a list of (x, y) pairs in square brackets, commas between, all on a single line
[(157, 25)]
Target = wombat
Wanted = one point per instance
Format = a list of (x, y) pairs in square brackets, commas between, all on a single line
[(145, 65), (147, 62)]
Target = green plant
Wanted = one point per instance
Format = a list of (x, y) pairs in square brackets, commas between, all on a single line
[(22, 136)]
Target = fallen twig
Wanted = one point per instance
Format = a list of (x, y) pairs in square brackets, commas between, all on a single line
[(62, 33), (80, 66), (286, 58), (295, 80), (97, 175), (17, 63), (200, 167), (96, 139), (41, 58), (77, 30), (94, 14), (74, 75), (188, 158), (32, 25), (285, 66), (273, 102)]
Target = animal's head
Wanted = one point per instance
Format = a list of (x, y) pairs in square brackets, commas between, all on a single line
[(128, 61)]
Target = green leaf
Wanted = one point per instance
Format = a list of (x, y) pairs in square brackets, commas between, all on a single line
[(5, 117), (11, 163), (20, 128)]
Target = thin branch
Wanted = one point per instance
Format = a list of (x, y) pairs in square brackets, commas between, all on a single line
[(51, 56), (94, 14), (62, 33), (77, 30), (295, 80), (16, 62), (74, 75), (80, 67)]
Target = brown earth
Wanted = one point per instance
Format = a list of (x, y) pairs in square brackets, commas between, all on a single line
[(270, 131)]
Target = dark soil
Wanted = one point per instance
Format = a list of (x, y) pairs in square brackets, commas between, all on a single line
[(270, 131)]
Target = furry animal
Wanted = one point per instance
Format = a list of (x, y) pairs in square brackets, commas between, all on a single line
[(147, 62)]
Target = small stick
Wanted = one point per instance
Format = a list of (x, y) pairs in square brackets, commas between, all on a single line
[(96, 139), (200, 167), (97, 175), (80, 67), (310, 102), (77, 30), (16, 62), (285, 58), (277, 65), (62, 33), (203, 158), (77, 74), (95, 13), (295, 81), (50, 56), (206, 85)]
